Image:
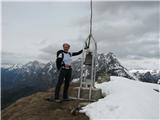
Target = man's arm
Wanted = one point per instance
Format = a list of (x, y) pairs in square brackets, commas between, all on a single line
[(59, 60), (77, 53)]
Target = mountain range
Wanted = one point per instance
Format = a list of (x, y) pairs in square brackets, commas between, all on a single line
[(22, 80)]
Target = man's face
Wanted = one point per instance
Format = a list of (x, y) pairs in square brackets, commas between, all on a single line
[(66, 47)]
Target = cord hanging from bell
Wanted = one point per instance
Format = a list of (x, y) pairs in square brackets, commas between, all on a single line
[(90, 30), (88, 59), (88, 64)]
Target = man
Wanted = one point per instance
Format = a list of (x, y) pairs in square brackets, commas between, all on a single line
[(63, 62)]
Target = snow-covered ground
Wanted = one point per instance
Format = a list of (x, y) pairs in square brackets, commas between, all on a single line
[(125, 99)]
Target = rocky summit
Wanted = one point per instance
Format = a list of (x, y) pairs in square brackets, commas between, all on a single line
[(37, 107)]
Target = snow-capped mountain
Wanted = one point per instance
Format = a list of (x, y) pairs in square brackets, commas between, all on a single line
[(33, 66), (107, 64), (112, 66), (35, 76), (152, 76), (11, 66)]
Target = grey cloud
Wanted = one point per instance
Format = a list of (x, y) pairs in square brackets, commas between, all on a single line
[(115, 6), (123, 23), (121, 27), (46, 57), (50, 49), (49, 52), (14, 58), (144, 48), (42, 42)]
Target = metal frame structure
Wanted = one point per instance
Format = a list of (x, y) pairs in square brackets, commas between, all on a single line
[(85, 81), (88, 83)]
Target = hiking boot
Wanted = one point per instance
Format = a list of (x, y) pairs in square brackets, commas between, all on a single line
[(57, 100), (67, 99), (50, 99)]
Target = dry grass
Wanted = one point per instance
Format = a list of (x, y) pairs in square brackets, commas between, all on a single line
[(35, 107)]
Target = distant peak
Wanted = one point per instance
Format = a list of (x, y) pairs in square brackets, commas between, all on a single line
[(111, 54), (33, 62)]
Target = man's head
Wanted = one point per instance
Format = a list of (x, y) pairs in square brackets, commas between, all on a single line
[(66, 47)]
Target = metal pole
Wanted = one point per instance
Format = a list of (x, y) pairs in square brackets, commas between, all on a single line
[(90, 32), (91, 18)]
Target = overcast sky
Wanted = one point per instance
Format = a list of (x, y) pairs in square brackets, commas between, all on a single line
[(36, 30)]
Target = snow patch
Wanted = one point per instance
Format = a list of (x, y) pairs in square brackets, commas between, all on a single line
[(15, 66), (125, 99), (76, 80)]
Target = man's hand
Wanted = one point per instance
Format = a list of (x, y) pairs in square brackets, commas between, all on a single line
[(66, 65), (86, 47)]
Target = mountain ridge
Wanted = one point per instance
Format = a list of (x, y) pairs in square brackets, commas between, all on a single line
[(22, 80)]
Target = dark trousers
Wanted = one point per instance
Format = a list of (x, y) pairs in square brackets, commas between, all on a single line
[(65, 74)]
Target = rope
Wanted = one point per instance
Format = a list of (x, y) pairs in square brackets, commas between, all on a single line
[(90, 33), (91, 18)]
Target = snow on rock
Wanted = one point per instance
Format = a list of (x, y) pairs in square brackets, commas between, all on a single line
[(50, 67), (144, 71), (15, 66), (6, 66), (125, 99), (76, 80)]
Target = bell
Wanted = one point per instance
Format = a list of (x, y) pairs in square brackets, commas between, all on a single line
[(88, 59)]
